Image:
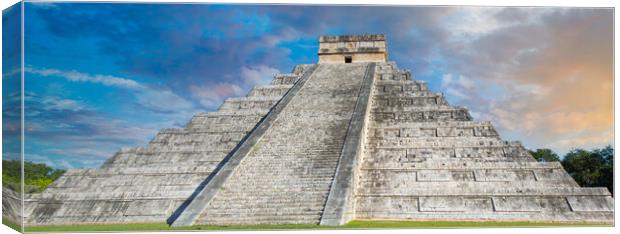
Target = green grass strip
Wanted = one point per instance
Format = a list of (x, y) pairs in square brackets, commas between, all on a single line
[(379, 224), (11, 224), (356, 224)]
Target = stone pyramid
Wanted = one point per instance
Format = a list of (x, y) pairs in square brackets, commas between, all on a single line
[(352, 137)]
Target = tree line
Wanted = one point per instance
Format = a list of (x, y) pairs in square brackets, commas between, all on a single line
[(37, 176), (589, 168)]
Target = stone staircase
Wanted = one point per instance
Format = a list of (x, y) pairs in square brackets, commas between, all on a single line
[(427, 160), (147, 184), (286, 177)]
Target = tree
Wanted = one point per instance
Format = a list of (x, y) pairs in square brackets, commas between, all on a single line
[(37, 176), (545, 155), (607, 171), (591, 168), (583, 166)]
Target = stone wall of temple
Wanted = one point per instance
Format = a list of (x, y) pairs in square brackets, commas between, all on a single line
[(352, 49)]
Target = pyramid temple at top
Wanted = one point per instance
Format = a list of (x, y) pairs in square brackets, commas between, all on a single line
[(351, 137)]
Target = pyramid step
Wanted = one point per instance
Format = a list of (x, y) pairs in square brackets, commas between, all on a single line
[(269, 90), (539, 191), (273, 219), (284, 79)]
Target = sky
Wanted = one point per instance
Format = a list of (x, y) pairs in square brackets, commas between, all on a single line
[(101, 76)]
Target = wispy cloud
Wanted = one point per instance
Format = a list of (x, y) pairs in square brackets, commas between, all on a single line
[(554, 69), (158, 99), (212, 96), (82, 77), (71, 133), (261, 74), (459, 87)]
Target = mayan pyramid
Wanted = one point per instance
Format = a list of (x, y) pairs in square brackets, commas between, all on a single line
[(352, 137)]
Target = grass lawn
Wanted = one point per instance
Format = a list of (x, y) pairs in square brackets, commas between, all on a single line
[(11, 224), (460, 224), (356, 224)]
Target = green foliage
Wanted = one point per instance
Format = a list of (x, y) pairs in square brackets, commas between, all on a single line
[(12, 170), (37, 176), (545, 155), (591, 168), (11, 174), (607, 170)]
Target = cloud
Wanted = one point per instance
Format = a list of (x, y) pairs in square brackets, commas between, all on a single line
[(63, 163), (261, 74), (213, 96), (157, 99), (193, 41), (550, 69), (81, 77), (55, 103), (460, 21), (12, 72), (69, 133), (162, 100), (585, 139), (460, 87), (72, 133)]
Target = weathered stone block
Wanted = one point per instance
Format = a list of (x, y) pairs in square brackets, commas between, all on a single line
[(517, 204), (591, 203), (455, 204), (434, 175), (495, 175)]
